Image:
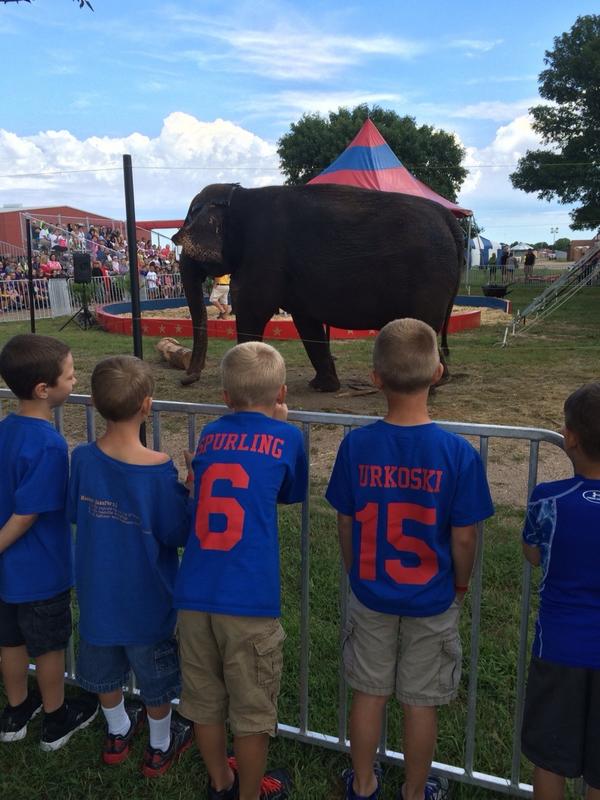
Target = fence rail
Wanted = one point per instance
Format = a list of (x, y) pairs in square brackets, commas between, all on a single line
[(300, 729)]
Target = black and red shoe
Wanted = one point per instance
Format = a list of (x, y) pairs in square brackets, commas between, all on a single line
[(275, 785), (157, 762), (117, 748)]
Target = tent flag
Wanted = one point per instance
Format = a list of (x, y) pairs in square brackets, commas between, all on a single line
[(370, 163)]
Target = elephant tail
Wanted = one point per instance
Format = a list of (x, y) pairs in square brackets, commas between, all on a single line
[(445, 348), (460, 248)]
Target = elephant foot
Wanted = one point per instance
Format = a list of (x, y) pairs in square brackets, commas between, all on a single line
[(328, 383), (189, 379)]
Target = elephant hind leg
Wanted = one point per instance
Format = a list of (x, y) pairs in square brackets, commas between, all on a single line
[(316, 345)]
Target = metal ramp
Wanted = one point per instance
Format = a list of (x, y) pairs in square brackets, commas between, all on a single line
[(584, 272)]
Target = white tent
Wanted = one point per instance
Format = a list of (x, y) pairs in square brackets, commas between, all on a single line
[(482, 249), (522, 247)]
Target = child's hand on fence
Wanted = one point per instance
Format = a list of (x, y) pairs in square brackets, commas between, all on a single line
[(189, 479)]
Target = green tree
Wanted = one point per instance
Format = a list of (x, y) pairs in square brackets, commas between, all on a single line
[(570, 169), (541, 246), (432, 155), (562, 244)]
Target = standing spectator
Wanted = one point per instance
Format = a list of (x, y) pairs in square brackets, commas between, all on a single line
[(529, 264), (502, 261), (152, 281), (220, 295)]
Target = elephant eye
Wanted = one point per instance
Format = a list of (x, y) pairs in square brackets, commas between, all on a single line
[(192, 213)]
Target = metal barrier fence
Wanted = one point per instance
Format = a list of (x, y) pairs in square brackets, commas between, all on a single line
[(301, 731), (58, 297)]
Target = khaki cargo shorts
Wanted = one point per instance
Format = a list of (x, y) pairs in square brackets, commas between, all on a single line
[(417, 658), (230, 669)]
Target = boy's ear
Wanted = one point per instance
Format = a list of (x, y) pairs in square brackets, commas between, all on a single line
[(227, 398), (376, 379), (40, 391), (146, 406), (281, 394), (571, 438), (439, 371)]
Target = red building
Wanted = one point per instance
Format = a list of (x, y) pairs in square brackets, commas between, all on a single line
[(12, 222)]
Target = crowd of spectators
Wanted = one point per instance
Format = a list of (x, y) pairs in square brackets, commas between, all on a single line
[(53, 248)]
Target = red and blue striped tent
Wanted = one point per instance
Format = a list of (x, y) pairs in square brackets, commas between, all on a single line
[(370, 163)]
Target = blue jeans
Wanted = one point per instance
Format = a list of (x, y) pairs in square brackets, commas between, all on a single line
[(102, 669)]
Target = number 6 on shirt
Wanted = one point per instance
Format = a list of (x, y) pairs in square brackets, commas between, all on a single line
[(228, 506), (397, 513)]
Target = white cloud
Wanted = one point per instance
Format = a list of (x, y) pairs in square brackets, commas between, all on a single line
[(286, 50), (475, 45), (500, 79), (506, 213), (289, 105), (169, 169), (493, 109)]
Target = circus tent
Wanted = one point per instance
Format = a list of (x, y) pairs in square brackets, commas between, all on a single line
[(369, 163)]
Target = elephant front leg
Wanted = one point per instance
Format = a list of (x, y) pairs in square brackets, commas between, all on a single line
[(192, 280), (316, 345)]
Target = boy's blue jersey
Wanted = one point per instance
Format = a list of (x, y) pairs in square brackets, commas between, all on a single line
[(563, 520), (245, 464), (130, 520), (34, 471), (405, 487)]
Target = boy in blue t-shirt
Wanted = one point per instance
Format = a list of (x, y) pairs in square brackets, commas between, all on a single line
[(228, 588), (36, 570), (561, 725), (131, 514), (409, 496)]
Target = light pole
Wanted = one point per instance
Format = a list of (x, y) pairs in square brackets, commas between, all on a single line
[(553, 231)]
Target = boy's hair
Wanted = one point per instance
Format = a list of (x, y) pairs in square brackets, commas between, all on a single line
[(29, 359), (119, 386), (252, 373), (582, 416), (405, 355)]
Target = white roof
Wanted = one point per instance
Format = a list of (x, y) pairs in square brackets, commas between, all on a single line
[(522, 246)]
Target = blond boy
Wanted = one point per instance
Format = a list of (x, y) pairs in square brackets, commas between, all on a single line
[(409, 496), (228, 589)]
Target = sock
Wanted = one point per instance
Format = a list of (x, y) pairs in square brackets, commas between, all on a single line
[(160, 732), (57, 716), (117, 719)]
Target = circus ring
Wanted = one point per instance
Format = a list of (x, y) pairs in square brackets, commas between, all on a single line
[(108, 316)]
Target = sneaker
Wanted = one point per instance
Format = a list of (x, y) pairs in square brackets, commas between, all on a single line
[(116, 748), (13, 721), (437, 788), (157, 762), (233, 792), (348, 778), (275, 785), (79, 715)]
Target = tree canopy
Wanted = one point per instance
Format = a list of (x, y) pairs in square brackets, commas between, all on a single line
[(569, 169), (434, 156), (562, 244)]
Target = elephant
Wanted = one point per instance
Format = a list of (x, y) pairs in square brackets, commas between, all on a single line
[(327, 254)]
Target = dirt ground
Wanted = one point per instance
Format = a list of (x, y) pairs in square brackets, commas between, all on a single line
[(464, 398)]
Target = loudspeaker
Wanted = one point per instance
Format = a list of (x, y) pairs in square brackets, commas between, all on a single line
[(82, 268)]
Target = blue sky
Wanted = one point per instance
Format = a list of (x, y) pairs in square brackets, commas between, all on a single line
[(199, 92)]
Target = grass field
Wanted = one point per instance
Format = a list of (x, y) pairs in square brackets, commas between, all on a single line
[(524, 384)]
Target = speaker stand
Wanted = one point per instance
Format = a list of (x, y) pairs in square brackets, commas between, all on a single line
[(83, 316)]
